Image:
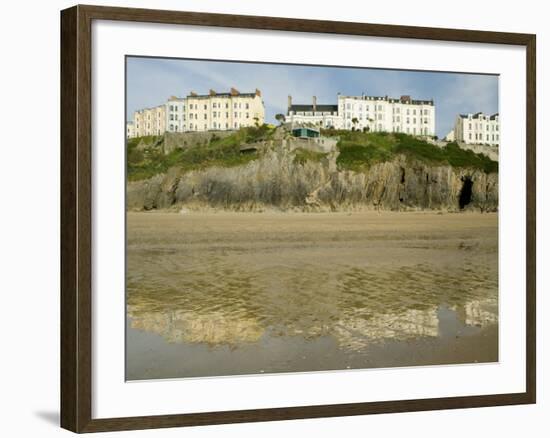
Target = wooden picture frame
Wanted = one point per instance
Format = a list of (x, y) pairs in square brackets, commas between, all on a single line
[(76, 217)]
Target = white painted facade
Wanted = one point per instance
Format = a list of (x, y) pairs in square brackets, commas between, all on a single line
[(376, 114), (325, 116), (478, 128), (213, 111), (150, 121), (130, 132), (450, 136)]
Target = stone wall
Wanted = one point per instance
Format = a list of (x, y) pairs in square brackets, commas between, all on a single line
[(174, 140)]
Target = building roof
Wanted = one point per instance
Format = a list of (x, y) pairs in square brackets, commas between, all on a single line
[(318, 108), (231, 93), (207, 96), (307, 128), (402, 99), (151, 108), (476, 116)]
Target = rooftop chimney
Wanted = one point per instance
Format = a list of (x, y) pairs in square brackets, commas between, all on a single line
[(405, 99), (212, 92), (234, 92), (193, 94), (258, 92), (289, 101), (314, 103)]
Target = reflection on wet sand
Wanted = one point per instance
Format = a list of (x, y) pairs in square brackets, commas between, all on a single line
[(212, 328), (337, 286)]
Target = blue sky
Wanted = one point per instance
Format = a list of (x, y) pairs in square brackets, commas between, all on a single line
[(150, 81)]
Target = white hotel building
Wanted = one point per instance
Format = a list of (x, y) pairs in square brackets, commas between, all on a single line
[(372, 113), (477, 128), (212, 111)]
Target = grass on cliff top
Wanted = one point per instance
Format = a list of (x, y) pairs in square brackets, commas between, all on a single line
[(303, 155), (149, 161), (361, 150)]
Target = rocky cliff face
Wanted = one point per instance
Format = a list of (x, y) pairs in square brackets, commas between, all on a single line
[(276, 180)]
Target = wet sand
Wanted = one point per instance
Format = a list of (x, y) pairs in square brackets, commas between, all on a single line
[(237, 293)]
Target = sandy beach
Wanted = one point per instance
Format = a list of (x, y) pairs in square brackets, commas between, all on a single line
[(244, 293)]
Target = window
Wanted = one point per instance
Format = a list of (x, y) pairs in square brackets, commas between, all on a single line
[(470, 126), (205, 107), (235, 115), (205, 116), (235, 105), (414, 118), (176, 127), (247, 115), (408, 121), (171, 116), (247, 107), (171, 127), (414, 112), (470, 136)]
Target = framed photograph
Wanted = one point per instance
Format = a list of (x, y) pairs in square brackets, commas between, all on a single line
[(269, 218)]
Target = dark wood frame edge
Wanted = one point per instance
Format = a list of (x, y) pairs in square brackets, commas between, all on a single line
[(76, 222)]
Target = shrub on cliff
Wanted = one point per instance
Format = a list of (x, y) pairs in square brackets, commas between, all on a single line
[(150, 160), (360, 150)]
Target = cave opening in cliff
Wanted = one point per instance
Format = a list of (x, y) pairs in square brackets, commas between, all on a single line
[(465, 192)]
